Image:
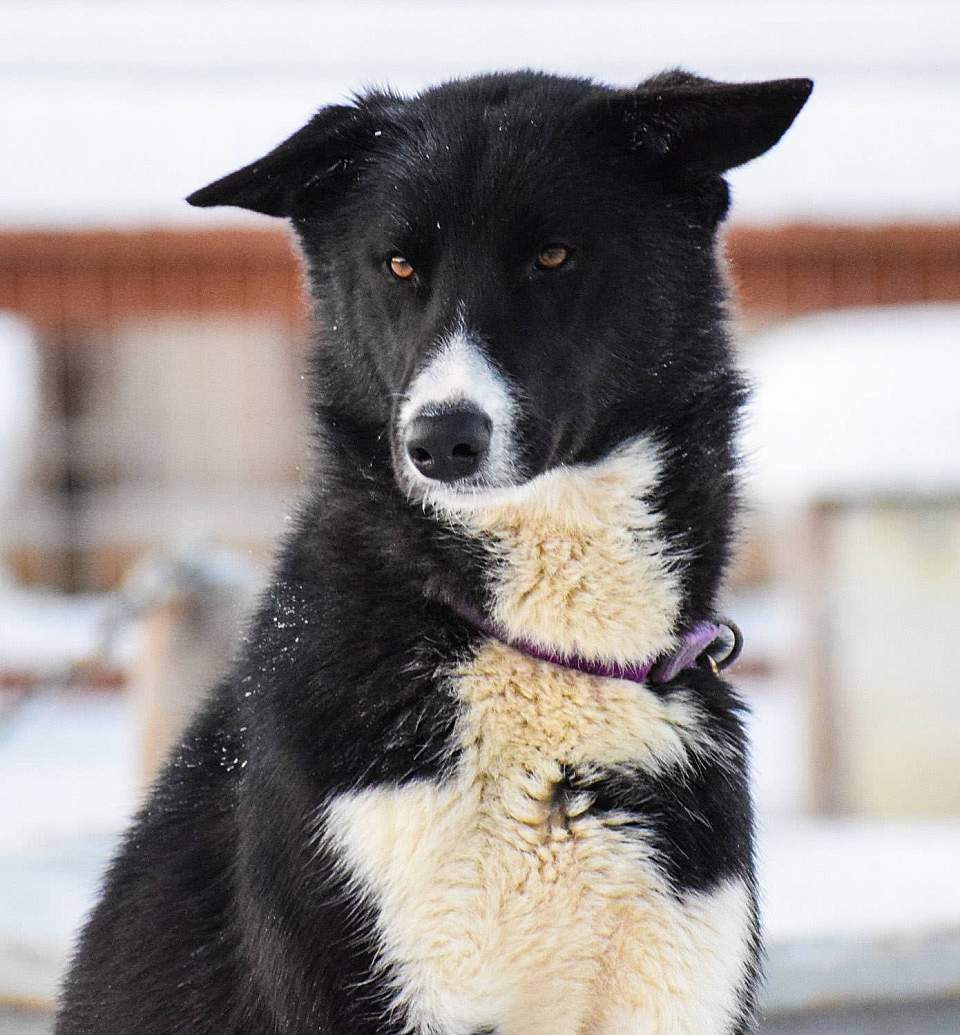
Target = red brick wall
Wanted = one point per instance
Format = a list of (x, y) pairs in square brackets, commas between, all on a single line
[(69, 283)]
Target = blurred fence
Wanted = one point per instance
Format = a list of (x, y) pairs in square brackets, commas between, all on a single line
[(172, 372)]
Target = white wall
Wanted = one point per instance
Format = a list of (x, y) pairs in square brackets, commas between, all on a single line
[(111, 110)]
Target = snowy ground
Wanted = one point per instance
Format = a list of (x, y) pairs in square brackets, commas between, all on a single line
[(855, 912), (67, 771)]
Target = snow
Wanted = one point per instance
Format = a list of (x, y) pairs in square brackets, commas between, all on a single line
[(855, 402), (114, 111), (67, 789), (67, 769), (859, 912), (46, 634), (869, 880)]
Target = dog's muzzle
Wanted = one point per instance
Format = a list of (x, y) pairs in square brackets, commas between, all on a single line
[(448, 445)]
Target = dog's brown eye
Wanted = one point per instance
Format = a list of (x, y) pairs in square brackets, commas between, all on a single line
[(552, 257), (400, 268)]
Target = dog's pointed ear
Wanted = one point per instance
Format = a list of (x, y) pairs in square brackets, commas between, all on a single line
[(305, 167), (681, 122)]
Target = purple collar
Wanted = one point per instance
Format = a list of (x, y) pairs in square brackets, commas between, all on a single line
[(693, 645)]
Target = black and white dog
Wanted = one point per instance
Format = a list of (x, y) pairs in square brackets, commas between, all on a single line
[(474, 772)]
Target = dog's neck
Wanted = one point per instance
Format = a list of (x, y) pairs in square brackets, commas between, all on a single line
[(574, 561), (578, 565)]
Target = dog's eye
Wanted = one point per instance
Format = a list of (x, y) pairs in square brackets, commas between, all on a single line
[(552, 257), (400, 268)]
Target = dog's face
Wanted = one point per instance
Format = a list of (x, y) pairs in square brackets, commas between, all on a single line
[(519, 268), (517, 272)]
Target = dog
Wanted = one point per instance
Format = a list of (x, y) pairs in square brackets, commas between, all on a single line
[(476, 769)]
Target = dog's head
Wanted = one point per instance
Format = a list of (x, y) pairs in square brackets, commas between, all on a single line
[(517, 272)]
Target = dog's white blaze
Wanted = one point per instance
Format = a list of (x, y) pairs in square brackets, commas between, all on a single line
[(458, 373)]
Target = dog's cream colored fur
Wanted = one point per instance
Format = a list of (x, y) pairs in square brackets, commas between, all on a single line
[(501, 901), (579, 565), (582, 569)]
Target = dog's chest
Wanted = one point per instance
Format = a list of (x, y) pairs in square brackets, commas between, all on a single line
[(504, 901)]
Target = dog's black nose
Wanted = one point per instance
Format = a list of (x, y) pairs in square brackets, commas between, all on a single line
[(449, 445)]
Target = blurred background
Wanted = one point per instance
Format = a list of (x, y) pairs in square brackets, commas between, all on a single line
[(152, 434)]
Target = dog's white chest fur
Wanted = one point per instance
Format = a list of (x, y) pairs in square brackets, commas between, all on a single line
[(504, 905), (503, 902)]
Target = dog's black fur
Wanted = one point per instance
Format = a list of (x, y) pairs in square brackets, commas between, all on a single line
[(222, 913)]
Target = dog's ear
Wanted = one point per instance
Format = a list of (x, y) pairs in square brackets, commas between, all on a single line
[(299, 173), (680, 122)]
